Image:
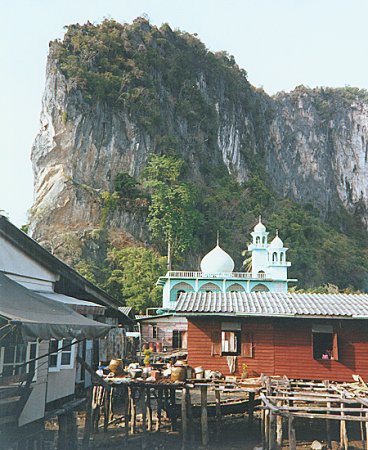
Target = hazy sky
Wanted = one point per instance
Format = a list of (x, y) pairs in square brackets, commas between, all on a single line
[(280, 43)]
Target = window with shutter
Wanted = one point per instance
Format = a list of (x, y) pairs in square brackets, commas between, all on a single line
[(216, 343), (247, 345)]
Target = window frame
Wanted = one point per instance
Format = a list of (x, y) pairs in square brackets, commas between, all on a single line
[(237, 335), (326, 330), (59, 355), (16, 364)]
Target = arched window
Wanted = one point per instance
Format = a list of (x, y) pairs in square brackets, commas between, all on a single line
[(181, 291), (260, 288), (210, 287), (281, 257), (274, 257), (258, 240), (236, 287), (261, 274), (264, 240)]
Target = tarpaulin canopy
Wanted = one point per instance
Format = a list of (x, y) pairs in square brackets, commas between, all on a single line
[(40, 317)]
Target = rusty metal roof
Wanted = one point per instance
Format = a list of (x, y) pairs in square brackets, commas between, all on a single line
[(274, 304)]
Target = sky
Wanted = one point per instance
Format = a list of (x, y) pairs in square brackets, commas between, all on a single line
[(280, 43)]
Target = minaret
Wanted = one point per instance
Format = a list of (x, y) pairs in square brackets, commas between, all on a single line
[(259, 249), (277, 259)]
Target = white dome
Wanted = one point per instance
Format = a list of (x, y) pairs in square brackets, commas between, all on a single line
[(217, 261), (259, 228), (277, 242)]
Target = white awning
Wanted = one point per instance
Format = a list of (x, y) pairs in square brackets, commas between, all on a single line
[(81, 306)]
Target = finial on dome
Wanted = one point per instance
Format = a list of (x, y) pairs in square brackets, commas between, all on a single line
[(260, 219), (218, 237), (277, 232)]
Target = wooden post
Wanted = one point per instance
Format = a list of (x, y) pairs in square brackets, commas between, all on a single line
[(265, 429), (190, 419), (184, 417), (279, 427), (328, 429), (144, 418), (251, 410), (106, 409), (292, 437), (272, 431), (88, 419), (128, 395), (204, 418), (344, 442), (133, 412), (149, 409), (67, 437), (159, 408), (366, 432), (218, 413), (174, 422), (263, 418)]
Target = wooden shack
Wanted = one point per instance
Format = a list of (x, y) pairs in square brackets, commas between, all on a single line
[(304, 336)]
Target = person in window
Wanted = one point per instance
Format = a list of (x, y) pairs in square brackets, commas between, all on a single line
[(327, 354)]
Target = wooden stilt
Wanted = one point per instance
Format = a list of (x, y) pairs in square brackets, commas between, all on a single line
[(204, 418), (251, 410), (218, 413), (149, 409), (67, 438), (144, 418), (106, 409), (190, 419), (272, 431), (263, 416), (344, 442), (159, 409), (292, 437), (279, 428), (128, 395), (88, 419), (174, 422), (184, 418), (133, 412), (265, 429)]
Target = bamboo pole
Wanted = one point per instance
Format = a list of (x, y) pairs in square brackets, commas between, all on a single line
[(204, 418)]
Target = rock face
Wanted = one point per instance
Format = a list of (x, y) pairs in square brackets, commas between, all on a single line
[(312, 145)]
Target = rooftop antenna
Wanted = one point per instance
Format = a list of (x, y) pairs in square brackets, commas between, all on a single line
[(218, 237)]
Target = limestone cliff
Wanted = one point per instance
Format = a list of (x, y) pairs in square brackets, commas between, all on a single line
[(165, 93)]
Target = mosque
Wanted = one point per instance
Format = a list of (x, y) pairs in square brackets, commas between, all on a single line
[(268, 273)]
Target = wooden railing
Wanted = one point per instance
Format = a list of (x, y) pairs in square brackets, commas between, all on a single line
[(191, 274)]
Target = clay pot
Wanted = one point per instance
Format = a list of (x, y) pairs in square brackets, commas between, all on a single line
[(116, 366), (178, 373)]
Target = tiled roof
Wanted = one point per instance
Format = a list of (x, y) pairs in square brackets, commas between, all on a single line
[(274, 304)]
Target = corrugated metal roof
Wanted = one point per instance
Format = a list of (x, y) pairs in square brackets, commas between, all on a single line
[(125, 310), (274, 304)]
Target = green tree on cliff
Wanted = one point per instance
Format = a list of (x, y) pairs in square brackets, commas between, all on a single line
[(172, 217)]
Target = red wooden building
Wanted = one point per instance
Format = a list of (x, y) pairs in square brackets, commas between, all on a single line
[(306, 336)]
